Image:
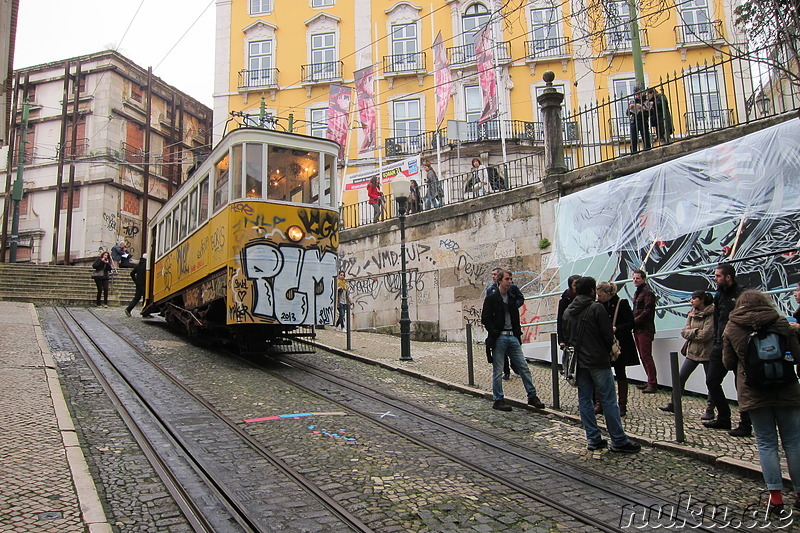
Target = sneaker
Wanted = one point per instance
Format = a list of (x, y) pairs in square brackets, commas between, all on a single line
[(650, 390), (718, 424), (127, 312), (536, 402), (708, 415), (501, 405), (741, 431), (669, 408), (630, 447), (105, 305), (641, 386), (599, 445)]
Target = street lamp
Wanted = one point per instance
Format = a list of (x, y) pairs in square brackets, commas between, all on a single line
[(401, 188)]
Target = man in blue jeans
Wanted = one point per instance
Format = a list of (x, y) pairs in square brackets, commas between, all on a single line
[(587, 328), (500, 317)]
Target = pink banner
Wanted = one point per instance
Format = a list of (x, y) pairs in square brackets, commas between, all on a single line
[(484, 57), (339, 116), (442, 79), (365, 95)]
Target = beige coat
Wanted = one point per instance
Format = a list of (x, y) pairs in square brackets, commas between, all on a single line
[(699, 333), (734, 346)]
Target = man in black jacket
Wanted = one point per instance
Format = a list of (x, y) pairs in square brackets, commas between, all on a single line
[(724, 302), (500, 317), (138, 274), (587, 328), (519, 300)]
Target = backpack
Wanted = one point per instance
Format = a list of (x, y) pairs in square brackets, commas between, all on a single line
[(767, 362)]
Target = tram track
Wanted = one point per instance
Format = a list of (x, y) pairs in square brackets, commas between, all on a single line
[(573, 478), (193, 472)]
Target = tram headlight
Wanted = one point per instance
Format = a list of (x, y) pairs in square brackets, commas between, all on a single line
[(295, 233)]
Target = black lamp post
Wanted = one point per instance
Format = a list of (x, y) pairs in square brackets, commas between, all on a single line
[(401, 188)]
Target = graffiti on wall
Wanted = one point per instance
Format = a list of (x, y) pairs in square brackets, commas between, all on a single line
[(366, 291), (305, 277)]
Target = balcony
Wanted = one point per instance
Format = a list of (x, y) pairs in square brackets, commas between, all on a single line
[(326, 72), (554, 47), (399, 64), (698, 122), (462, 56), (132, 154), (698, 33), (81, 148), (618, 39), (415, 144), (265, 78)]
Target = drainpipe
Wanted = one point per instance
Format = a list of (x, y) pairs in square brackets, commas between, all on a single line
[(76, 86)]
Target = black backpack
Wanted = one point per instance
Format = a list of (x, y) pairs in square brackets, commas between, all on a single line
[(767, 361)]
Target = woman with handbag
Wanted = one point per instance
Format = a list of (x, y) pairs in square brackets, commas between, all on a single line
[(376, 198), (621, 315), (699, 335), (478, 179), (102, 267)]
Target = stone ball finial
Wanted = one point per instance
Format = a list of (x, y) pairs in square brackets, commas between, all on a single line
[(548, 77)]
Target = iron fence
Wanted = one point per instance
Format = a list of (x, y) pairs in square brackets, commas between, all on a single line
[(511, 175)]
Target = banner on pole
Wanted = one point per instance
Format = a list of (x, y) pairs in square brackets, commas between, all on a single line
[(365, 97), (339, 116), (442, 79), (409, 168), (484, 58)]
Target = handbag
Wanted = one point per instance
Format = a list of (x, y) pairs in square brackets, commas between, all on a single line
[(99, 274), (616, 349), (685, 349), (569, 361)]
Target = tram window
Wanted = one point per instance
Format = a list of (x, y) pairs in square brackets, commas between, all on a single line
[(204, 200), (160, 239), (184, 217), (193, 209), (236, 172), (328, 177), (255, 171), (176, 220), (221, 184), (167, 232), (290, 173)]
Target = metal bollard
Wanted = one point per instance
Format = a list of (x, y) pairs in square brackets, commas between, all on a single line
[(676, 396), (554, 370), (470, 363), (347, 325)]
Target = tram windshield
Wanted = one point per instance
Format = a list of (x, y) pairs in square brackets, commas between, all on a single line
[(293, 175)]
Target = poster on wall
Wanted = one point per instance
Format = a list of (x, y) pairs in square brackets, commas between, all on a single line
[(410, 168)]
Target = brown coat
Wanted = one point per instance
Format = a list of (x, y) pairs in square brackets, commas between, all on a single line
[(699, 333), (734, 345)]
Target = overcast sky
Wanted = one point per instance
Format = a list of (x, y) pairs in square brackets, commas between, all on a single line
[(51, 30)]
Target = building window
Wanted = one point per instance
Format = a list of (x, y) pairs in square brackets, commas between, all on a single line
[(545, 35), (76, 199), (318, 125), (258, 7), (322, 3), (624, 89), (695, 25), (408, 124), (404, 48), (323, 56), (475, 17), (618, 32), (259, 64), (473, 100), (705, 112), (136, 93)]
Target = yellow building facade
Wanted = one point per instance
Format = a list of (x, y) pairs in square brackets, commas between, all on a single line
[(279, 59)]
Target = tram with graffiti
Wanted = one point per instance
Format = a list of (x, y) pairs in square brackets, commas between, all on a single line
[(246, 249)]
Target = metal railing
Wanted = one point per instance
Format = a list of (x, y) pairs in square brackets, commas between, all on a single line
[(132, 154), (81, 148), (547, 48), (465, 54), (511, 175), (321, 72), (259, 78), (618, 39), (400, 63), (699, 33)]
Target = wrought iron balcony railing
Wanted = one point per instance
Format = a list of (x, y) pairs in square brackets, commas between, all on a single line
[(699, 33), (402, 63), (322, 72), (618, 39), (465, 54), (547, 48), (259, 78)]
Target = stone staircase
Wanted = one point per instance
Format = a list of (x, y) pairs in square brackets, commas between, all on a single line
[(46, 285)]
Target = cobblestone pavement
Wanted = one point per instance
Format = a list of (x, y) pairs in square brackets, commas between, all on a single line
[(433, 496)]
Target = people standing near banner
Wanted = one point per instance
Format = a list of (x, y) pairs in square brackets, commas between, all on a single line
[(414, 199), (644, 328), (478, 179), (433, 190), (376, 198), (639, 113)]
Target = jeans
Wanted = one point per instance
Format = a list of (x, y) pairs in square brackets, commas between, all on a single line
[(377, 211), (602, 380), (767, 423), (432, 202), (715, 373), (644, 344), (508, 345), (340, 321)]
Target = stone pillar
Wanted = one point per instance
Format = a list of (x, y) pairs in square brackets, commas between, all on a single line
[(550, 102)]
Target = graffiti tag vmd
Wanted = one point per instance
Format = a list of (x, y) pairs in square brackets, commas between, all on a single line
[(309, 276)]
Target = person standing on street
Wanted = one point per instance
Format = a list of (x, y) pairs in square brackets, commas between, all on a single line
[(724, 302), (102, 268), (500, 317), (587, 328), (342, 302), (519, 300), (139, 276), (623, 331), (644, 328)]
